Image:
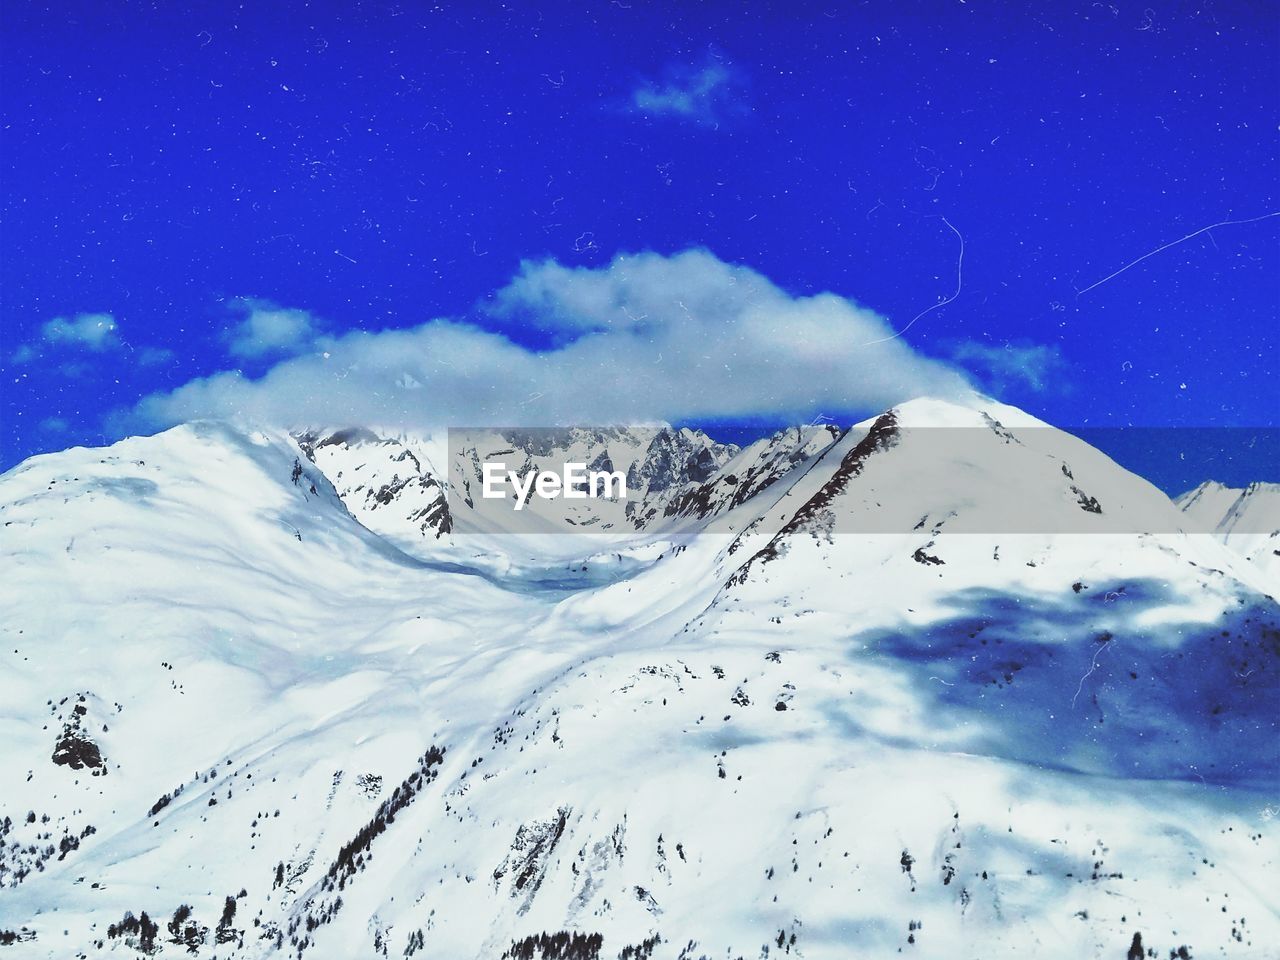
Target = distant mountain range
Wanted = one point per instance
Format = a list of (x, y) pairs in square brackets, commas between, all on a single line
[(945, 683)]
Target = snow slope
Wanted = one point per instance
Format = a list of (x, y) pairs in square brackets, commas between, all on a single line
[(1246, 520), (806, 728)]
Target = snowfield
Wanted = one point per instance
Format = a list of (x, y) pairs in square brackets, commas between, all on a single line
[(842, 693)]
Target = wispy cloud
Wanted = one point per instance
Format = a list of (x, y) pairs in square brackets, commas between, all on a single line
[(708, 94), (647, 337), (153, 356), (85, 332), (1035, 365), (90, 331), (268, 330)]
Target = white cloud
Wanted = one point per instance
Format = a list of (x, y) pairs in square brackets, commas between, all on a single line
[(268, 330), (646, 338), (707, 94), (88, 331)]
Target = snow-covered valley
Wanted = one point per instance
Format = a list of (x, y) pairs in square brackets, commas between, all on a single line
[(266, 694)]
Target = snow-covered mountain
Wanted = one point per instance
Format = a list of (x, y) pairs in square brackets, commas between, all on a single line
[(1247, 520), (945, 683)]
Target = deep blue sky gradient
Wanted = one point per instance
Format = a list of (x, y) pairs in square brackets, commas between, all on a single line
[(380, 164)]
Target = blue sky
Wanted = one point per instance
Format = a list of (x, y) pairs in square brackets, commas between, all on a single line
[(772, 211)]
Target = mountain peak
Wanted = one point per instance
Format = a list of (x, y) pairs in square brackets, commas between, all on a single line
[(961, 410)]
